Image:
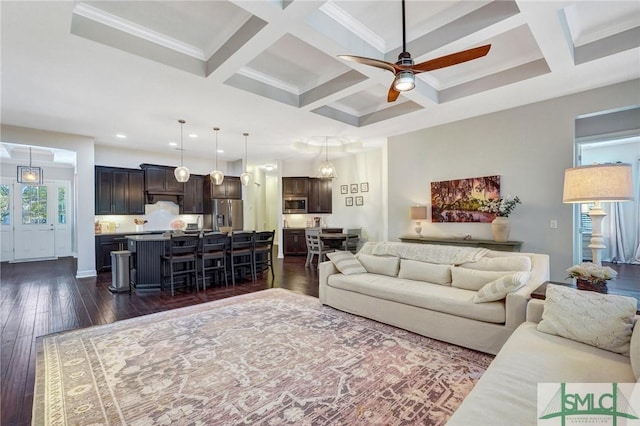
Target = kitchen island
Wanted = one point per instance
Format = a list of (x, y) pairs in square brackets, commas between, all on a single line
[(146, 260)]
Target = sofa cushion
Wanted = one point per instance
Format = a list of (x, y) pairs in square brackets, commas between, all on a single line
[(498, 289), (506, 394), (601, 320), (509, 263), (383, 265), (634, 350), (346, 262), (422, 271), (435, 297), (471, 279)]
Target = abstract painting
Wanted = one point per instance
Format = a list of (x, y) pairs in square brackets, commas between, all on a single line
[(458, 200)]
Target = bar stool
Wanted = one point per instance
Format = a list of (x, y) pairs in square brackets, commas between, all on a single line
[(241, 253), (263, 252), (212, 256), (179, 260)]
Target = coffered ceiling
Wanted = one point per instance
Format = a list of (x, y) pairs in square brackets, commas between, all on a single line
[(270, 68)]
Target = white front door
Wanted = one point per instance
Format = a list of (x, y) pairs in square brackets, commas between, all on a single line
[(34, 228), (62, 223)]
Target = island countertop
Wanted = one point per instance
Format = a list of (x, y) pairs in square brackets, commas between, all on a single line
[(148, 237)]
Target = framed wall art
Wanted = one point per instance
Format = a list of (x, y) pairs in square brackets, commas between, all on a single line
[(354, 188), (348, 201), (344, 189), (364, 187), (359, 200), (458, 200)]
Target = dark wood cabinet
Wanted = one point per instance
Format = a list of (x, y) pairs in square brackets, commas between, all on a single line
[(118, 191), (193, 201), (320, 196), (294, 242), (105, 244), (295, 186), (160, 179), (231, 188)]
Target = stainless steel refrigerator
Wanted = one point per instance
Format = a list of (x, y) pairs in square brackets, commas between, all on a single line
[(224, 213)]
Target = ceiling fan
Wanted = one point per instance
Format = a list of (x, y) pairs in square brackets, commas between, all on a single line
[(405, 69)]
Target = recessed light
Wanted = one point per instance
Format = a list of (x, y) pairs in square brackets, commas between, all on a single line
[(173, 144), (269, 167), (220, 151), (121, 136), (193, 135)]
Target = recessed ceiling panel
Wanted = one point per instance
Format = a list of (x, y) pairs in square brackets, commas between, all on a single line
[(590, 21), (365, 102)]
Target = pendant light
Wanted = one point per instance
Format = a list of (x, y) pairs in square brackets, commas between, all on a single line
[(181, 173), (30, 174), (217, 177), (326, 169), (245, 177)]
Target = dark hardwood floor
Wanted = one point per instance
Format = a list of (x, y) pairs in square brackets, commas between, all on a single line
[(40, 298)]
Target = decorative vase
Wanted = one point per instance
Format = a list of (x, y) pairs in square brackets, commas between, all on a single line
[(139, 228), (598, 286), (500, 227)]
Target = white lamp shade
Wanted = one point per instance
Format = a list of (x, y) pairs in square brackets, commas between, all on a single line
[(405, 80), (418, 212), (182, 174), (245, 178), (217, 177), (600, 182)]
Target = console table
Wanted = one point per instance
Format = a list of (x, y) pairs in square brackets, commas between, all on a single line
[(490, 244)]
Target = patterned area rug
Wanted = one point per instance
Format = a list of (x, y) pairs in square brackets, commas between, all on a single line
[(267, 358)]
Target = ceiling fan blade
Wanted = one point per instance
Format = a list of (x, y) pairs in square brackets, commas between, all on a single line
[(393, 94), (453, 59), (371, 62)]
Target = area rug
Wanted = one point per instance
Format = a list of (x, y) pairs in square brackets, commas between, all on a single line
[(268, 358)]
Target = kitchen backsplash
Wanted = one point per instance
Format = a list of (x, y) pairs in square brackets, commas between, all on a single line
[(159, 217)]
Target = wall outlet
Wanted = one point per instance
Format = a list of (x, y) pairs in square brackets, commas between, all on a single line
[(553, 224)]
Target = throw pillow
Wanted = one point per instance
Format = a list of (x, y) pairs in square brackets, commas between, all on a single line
[(471, 279), (634, 351), (600, 320), (346, 262), (498, 289), (506, 263), (382, 265), (423, 271)]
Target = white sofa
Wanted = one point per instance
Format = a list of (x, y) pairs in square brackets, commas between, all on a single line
[(506, 394), (441, 311)]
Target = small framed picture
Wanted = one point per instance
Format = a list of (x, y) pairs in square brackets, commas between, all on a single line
[(344, 189), (348, 201), (359, 200), (354, 188), (364, 187)]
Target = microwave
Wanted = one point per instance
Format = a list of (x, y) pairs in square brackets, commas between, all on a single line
[(294, 205)]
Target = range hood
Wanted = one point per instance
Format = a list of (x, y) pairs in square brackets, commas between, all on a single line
[(154, 197)]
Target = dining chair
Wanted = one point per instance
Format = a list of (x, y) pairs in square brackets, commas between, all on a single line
[(212, 257), (351, 243), (263, 252), (241, 253), (179, 260), (315, 246)]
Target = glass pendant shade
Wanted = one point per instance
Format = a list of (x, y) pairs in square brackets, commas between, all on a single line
[(326, 169), (405, 80), (181, 173), (245, 177), (217, 177)]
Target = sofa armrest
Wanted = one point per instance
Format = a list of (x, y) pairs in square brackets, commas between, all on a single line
[(325, 269), (516, 302), (535, 308)]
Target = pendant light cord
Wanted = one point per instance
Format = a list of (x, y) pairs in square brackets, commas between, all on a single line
[(216, 130), (326, 148), (181, 144), (245, 151)]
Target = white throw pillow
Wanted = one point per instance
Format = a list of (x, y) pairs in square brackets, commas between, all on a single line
[(346, 262), (423, 271), (507, 263), (600, 320), (471, 279), (498, 289), (634, 350), (383, 265)]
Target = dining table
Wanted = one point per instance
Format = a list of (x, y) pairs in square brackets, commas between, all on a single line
[(336, 240)]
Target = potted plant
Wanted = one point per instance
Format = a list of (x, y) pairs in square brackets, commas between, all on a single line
[(592, 277), (502, 208)]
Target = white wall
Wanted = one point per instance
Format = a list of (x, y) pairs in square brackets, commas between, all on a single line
[(84, 189), (529, 147)]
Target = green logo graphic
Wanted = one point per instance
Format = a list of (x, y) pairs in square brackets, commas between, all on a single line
[(564, 404)]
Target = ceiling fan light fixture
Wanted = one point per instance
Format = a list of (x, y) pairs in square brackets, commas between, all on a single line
[(217, 177), (181, 173), (405, 81)]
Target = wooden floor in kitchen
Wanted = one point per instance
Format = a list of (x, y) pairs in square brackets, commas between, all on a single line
[(40, 298)]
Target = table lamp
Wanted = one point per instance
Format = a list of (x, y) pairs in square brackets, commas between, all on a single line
[(595, 184), (418, 213)]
